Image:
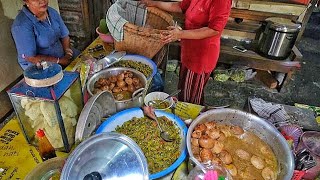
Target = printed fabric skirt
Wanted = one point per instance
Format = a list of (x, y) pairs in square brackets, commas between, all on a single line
[(192, 85)]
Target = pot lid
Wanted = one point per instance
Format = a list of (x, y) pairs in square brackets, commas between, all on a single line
[(97, 108), (108, 60), (43, 74), (106, 156), (283, 24)]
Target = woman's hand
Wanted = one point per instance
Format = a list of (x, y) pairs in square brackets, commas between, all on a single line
[(173, 34), (65, 61), (68, 52), (148, 3)]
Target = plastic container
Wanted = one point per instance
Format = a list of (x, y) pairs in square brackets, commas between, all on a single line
[(121, 117), (107, 38), (52, 104), (206, 173)]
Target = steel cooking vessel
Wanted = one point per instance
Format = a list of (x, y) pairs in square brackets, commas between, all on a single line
[(278, 37), (264, 130), (138, 95)]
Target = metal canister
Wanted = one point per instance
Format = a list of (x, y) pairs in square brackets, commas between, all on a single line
[(278, 37)]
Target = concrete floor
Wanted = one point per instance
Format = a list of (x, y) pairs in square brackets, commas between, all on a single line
[(303, 88)]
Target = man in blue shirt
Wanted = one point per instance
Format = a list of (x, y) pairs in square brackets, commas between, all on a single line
[(40, 34)]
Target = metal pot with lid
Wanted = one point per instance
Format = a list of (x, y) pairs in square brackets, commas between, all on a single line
[(106, 156), (278, 37)]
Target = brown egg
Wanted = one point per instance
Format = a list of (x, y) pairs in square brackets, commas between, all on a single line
[(225, 156), (195, 150), (111, 86), (205, 155), (131, 88), (268, 174), (135, 81), (222, 137), (201, 127), (257, 162), (217, 147), (210, 124), (116, 89), (124, 88), (130, 74), (243, 154), (213, 133), (128, 80), (206, 142), (236, 130), (216, 160), (195, 142), (121, 83), (113, 79), (138, 86), (105, 88), (196, 134), (120, 77)]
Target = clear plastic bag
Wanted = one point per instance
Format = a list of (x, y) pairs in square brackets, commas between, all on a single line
[(209, 172)]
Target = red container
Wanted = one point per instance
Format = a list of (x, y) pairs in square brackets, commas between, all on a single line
[(305, 2)]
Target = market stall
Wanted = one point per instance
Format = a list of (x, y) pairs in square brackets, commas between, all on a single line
[(105, 133)]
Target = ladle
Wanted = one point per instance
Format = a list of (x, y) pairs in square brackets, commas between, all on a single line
[(154, 103), (149, 111)]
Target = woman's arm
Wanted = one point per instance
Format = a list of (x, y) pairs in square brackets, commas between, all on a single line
[(166, 6), (218, 16), (64, 61), (175, 34), (38, 58), (66, 46)]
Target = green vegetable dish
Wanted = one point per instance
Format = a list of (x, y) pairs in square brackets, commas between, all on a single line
[(159, 153), (161, 105), (145, 69)]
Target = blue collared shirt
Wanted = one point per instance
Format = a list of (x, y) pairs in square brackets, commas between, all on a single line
[(34, 37)]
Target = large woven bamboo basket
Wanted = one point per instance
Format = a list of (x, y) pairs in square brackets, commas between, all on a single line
[(145, 40)]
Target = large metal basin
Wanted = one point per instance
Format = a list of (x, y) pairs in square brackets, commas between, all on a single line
[(264, 130), (138, 96)]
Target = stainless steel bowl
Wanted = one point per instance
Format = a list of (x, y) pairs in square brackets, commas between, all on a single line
[(135, 101), (259, 126)]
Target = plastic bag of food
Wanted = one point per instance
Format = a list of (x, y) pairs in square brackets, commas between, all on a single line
[(209, 172)]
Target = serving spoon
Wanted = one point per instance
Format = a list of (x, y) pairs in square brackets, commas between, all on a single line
[(149, 112), (153, 103)]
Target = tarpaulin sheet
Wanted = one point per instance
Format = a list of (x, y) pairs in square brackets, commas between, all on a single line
[(17, 157)]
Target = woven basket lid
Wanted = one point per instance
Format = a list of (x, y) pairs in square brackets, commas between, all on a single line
[(43, 75)]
